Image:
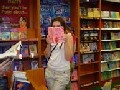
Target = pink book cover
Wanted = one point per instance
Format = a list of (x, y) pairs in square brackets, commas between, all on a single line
[(56, 33)]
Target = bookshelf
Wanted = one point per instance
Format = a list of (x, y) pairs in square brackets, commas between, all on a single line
[(110, 41), (96, 23), (33, 32)]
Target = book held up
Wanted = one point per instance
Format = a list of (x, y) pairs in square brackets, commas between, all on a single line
[(56, 34)]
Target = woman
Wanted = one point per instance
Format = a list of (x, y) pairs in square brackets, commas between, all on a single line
[(58, 68)]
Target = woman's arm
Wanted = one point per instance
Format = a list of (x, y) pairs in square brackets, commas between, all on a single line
[(69, 51), (48, 48), (47, 51)]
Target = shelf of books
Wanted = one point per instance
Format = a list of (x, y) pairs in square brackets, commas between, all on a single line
[(89, 43), (110, 41), (18, 23), (96, 24)]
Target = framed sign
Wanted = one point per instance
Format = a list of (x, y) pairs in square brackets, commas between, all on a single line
[(12, 10)]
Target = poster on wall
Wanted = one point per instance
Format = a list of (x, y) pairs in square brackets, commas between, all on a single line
[(12, 10), (50, 9)]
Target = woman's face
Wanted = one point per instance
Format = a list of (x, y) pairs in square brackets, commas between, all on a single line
[(56, 24)]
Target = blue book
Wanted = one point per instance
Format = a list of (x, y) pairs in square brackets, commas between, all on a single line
[(3, 84), (17, 65), (5, 31), (34, 64), (21, 85), (24, 50), (5, 35)]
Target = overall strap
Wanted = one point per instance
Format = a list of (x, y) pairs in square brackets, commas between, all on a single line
[(52, 51)]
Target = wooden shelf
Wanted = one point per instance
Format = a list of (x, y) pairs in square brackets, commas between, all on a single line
[(88, 73), (23, 40), (94, 62)]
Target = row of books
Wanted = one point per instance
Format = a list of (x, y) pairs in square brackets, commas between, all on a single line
[(109, 75), (25, 51), (111, 56), (12, 34), (95, 12), (29, 50), (87, 58), (105, 76), (110, 14), (109, 66), (18, 65), (88, 24), (113, 0), (89, 36), (109, 45), (88, 47), (111, 35), (115, 35), (111, 24), (89, 12)]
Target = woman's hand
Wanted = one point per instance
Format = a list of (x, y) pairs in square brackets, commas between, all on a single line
[(66, 37), (48, 39)]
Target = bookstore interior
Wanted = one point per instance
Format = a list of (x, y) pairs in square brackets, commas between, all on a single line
[(23, 31)]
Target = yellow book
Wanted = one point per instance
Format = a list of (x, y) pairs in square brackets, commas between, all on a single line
[(117, 15), (96, 12), (90, 12)]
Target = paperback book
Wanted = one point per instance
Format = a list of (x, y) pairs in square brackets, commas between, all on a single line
[(24, 50), (87, 58), (33, 50), (14, 34), (56, 33), (21, 85), (34, 64), (17, 66), (44, 62), (20, 81), (5, 33)]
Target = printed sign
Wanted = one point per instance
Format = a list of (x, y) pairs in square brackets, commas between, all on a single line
[(12, 10)]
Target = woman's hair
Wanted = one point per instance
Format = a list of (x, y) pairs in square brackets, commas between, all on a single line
[(62, 22)]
